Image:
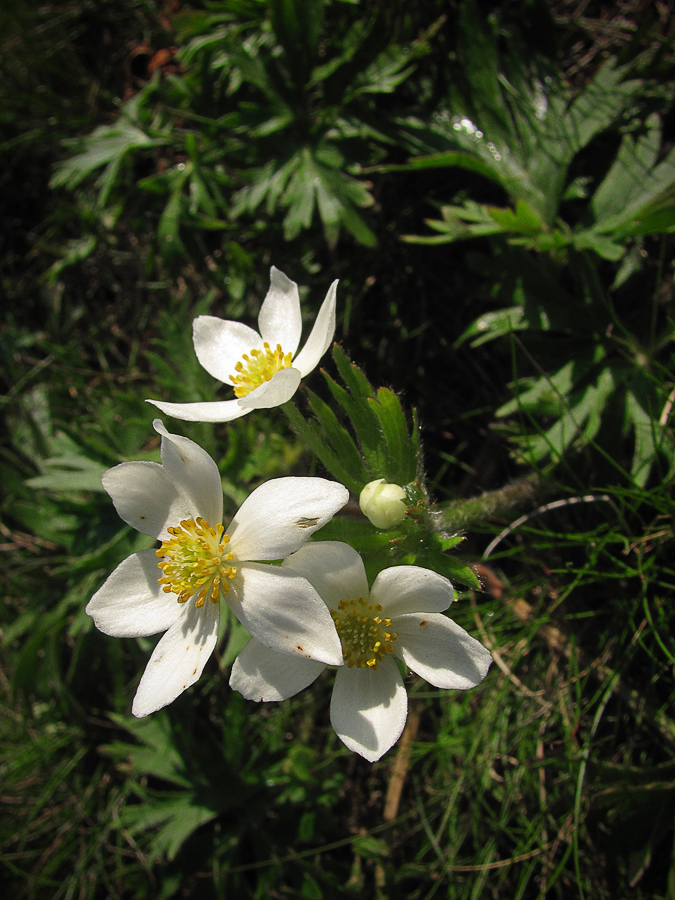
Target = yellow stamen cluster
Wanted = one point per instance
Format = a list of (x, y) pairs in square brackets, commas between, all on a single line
[(195, 562), (366, 637), (259, 367)]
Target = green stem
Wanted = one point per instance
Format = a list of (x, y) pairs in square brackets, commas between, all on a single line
[(460, 514)]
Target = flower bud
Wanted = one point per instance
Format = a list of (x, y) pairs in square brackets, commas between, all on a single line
[(384, 504)]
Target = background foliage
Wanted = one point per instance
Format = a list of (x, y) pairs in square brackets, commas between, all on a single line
[(494, 185)]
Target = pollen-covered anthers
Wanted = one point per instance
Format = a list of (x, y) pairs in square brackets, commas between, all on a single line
[(366, 637), (259, 367), (196, 562)]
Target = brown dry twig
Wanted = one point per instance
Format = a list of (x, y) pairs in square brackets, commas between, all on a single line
[(400, 768)]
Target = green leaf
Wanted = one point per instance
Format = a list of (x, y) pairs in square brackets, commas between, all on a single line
[(459, 223), (548, 395), (631, 263), (297, 26), (370, 847), (447, 159), (386, 447), (581, 421), (168, 229), (269, 183), (523, 220), (74, 252), (352, 41), (176, 818), (311, 889), (237, 638), (493, 325), (637, 197), (578, 188), (481, 62), (384, 74), (155, 752), (299, 198), (598, 105), (448, 543), (656, 217), (598, 243), (651, 438), (455, 570), (628, 180), (401, 463), (355, 402), (311, 434), (344, 446), (105, 145), (353, 377), (74, 473), (303, 183), (364, 423), (252, 69)]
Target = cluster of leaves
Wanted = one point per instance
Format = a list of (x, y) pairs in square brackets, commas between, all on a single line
[(269, 112), (264, 109), (382, 446), (599, 376), (525, 139)]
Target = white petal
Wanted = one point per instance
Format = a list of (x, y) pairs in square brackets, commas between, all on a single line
[(179, 658), (406, 589), (262, 674), (220, 345), (321, 335), (144, 497), (368, 708), (283, 611), (131, 603), (440, 651), (274, 392), (203, 411), (280, 321), (335, 570), (280, 515), (193, 473)]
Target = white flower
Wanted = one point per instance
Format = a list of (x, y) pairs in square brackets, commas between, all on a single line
[(262, 367), (383, 503), (180, 502), (400, 617)]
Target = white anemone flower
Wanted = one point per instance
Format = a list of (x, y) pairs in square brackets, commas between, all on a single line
[(400, 617), (262, 368), (201, 562)]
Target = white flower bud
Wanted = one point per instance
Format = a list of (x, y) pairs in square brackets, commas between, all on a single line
[(384, 504)]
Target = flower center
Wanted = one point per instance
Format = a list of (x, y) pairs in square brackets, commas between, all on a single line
[(366, 637), (259, 367), (196, 562)]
